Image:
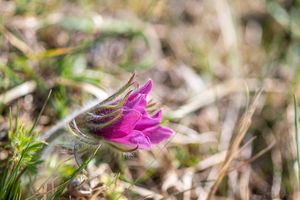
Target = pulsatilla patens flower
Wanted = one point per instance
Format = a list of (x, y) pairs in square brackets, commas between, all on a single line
[(122, 120)]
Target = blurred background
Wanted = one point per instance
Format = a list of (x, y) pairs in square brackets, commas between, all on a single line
[(207, 59)]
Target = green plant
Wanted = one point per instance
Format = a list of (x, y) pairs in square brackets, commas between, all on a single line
[(297, 132), (25, 149)]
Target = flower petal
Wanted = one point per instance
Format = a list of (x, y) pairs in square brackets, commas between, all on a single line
[(134, 139), (157, 134), (145, 89), (147, 122), (139, 103), (124, 126)]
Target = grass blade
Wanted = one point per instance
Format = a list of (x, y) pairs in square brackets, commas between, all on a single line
[(62, 187), (297, 133)]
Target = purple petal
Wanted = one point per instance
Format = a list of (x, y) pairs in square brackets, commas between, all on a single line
[(145, 89), (139, 103), (158, 133), (134, 139), (147, 122), (124, 126)]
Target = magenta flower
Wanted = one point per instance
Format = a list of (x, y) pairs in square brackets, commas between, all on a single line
[(123, 122)]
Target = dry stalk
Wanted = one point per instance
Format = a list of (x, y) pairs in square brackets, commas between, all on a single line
[(17, 92), (234, 147)]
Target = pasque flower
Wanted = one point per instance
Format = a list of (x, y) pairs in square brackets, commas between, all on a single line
[(123, 121)]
